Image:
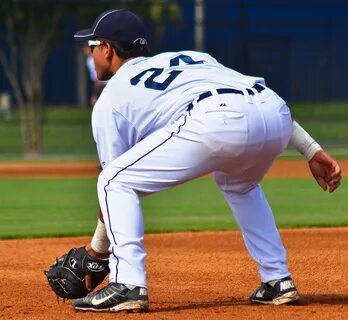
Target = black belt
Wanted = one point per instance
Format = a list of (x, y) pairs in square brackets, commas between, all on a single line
[(204, 95)]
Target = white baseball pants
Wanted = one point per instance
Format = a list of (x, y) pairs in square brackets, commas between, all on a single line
[(236, 137)]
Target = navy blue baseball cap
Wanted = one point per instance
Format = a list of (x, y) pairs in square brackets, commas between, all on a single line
[(116, 25)]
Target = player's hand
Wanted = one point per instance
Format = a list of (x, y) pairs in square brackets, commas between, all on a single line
[(92, 253), (325, 170)]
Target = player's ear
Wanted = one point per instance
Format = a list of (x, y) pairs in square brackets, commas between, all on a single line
[(109, 50)]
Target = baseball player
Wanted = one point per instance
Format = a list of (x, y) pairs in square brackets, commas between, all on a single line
[(164, 120)]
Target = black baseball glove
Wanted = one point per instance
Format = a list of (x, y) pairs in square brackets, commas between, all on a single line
[(68, 277)]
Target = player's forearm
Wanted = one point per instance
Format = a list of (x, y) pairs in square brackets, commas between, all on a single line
[(303, 142)]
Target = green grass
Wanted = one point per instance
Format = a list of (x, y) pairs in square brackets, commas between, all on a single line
[(67, 134), (65, 207), (67, 131), (326, 122), (301, 203), (47, 207)]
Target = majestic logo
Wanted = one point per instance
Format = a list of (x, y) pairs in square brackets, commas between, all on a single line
[(95, 267), (284, 285)]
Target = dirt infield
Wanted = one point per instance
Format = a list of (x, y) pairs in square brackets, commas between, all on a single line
[(204, 275)]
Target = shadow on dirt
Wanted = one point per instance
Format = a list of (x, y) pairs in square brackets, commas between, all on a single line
[(332, 299), (306, 300)]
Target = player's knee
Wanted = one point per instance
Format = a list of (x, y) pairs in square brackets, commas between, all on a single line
[(104, 179), (108, 178)]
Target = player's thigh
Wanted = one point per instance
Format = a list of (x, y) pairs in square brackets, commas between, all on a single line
[(169, 156)]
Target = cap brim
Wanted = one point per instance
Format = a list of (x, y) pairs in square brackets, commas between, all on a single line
[(84, 35)]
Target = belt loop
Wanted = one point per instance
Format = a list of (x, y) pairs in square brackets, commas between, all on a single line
[(194, 103), (248, 97), (258, 89), (216, 95), (214, 92)]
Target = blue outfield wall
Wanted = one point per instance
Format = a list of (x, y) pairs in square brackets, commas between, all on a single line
[(60, 79), (300, 47)]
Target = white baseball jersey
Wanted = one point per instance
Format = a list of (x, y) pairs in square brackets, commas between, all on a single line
[(148, 93), (168, 119)]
